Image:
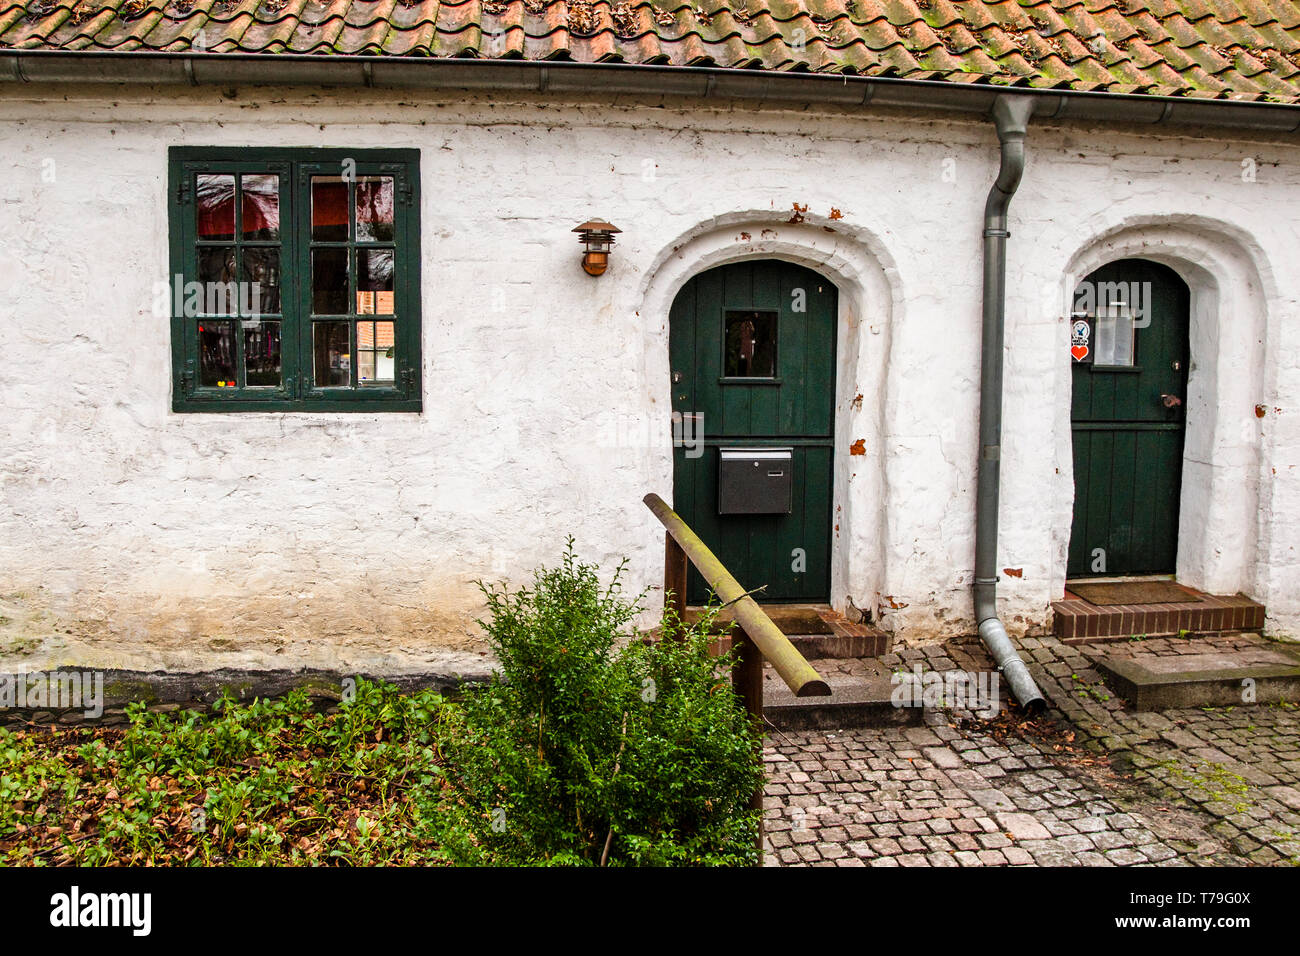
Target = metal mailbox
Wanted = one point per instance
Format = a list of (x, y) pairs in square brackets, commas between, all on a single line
[(755, 481)]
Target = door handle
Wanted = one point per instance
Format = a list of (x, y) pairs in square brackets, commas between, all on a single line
[(1170, 401)]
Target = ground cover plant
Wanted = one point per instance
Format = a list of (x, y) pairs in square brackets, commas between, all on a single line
[(251, 783), (590, 747)]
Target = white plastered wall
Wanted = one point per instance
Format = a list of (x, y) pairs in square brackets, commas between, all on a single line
[(132, 536)]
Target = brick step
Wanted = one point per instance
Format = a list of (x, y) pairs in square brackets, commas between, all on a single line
[(816, 630), (1257, 673), (1078, 621)]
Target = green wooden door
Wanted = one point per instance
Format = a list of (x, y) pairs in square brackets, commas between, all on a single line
[(753, 365), (1130, 355)]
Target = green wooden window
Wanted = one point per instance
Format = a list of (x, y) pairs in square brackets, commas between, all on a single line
[(295, 279)]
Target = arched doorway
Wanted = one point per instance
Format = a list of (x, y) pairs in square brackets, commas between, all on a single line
[(1129, 355), (752, 351)]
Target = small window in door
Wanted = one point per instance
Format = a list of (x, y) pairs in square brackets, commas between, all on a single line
[(1113, 335), (751, 345)]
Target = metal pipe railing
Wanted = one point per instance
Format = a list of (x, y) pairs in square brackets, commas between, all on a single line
[(757, 637), (758, 628)]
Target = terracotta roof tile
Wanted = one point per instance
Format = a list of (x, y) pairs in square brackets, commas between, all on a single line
[(1219, 48)]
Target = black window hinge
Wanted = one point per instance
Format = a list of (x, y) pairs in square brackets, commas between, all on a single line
[(408, 381), (187, 379), (401, 180), (183, 190)]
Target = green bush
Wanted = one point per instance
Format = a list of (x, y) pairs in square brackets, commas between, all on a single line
[(588, 749)]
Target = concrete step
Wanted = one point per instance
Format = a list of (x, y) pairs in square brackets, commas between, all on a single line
[(1261, 673), (858, 700)]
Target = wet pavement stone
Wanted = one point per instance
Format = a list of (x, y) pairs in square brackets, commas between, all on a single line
[(1090, 783)]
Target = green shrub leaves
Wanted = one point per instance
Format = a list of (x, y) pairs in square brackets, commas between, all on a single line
[(589, 749)]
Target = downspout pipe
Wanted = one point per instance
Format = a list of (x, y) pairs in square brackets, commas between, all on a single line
[(1011, 116)]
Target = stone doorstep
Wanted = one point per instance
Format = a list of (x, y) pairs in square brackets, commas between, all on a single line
[(1204, 680), (1076, 621), (854, 702)]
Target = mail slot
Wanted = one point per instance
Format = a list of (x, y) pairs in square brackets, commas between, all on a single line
[(755, 481)]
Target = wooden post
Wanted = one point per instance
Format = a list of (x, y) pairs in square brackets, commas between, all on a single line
[(747, 681), (674, 577)]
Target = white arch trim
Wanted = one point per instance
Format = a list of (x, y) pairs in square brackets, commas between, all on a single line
[(856, 260), (1224, 510)]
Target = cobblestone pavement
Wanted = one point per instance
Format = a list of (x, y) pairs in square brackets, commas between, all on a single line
[(1090, 783)]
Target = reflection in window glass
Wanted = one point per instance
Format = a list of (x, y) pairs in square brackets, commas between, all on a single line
[(329, 281), (216, 206), (331, 358), (216, 264), (262, 355), (329, 209), (375, 353), (374, 282), (1113, 333), (261, 294), (375, 209), (217, 355), (751, 345), (260, 207)]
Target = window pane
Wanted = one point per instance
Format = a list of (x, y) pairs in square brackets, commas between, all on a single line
[(331, 361), (329, 281), (329, 209), (385, 351), (262, 355), (365, 367), (216, 264), (374, 281), (217, 354), (375, 353), (217, 292), (375, 209), (751, 344), (261, 207), (216, 201), (1113, 336), (262, 275)]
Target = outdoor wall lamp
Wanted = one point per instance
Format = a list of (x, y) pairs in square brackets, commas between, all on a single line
[(597, 236)]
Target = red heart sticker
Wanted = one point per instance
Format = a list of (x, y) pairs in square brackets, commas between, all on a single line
[(1080, 352)]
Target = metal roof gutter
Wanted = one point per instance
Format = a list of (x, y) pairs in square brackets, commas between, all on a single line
[(564, 76)]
